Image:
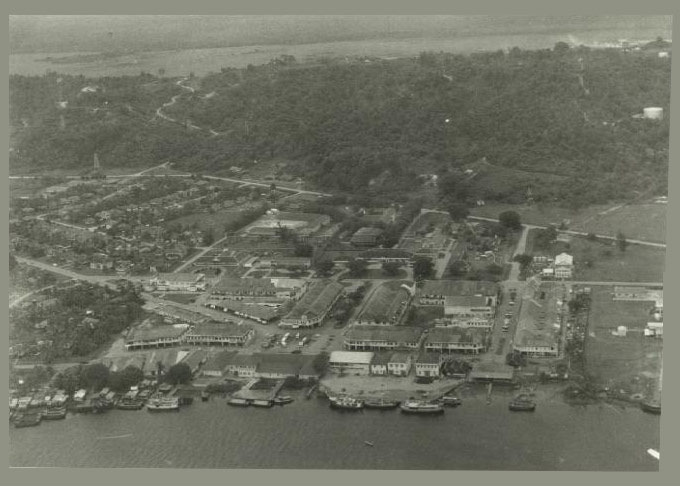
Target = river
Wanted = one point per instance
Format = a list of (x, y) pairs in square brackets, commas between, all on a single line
[(308, 434)]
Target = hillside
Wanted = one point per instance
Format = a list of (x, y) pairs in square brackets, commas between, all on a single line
[(352, 126)]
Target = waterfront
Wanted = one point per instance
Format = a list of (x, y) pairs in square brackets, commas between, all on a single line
[(307, 434)]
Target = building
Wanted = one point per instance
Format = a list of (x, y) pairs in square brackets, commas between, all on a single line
[(386, 306), (243, 365), (538, 326), (179, 282), (429, 365), (300, 224), (259, 313), (386, 255), (379, 363), (564, 266), (279, 366), (219, 333), (435, 292), (468, 306), (216, 365), (472, 322), (455, 340), (366, 236), (377, 338), (351, 362), (155, 337), (290, 288), (399, 364), (240, 288), (313, 307)]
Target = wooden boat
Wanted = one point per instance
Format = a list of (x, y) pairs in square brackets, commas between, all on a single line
[(54, 413), (27, 419), (421, 407), (130, 404), (163, 404), (346, 403), (522, 404), (239, 402), (381, 403), (450, 401), (283, 400)]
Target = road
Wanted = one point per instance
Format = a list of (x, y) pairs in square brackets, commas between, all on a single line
[(580, 233), (199, 255), (26, 296)]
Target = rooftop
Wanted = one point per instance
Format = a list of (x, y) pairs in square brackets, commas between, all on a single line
[(254, 310), (236, 285), (429, 358), (398, 334), (400, 358), (225, 329), (465, 300), (454, 335), (458, 287), (384, 303), (219, 361), (356, 357), (538, 320), (180, 277), (316, 300), (153, 333)]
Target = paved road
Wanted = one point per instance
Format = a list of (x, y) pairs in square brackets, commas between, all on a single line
[(580, 233), (199, 255)]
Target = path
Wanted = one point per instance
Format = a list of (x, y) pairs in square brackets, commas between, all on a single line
[(199, 254), (26, 296)]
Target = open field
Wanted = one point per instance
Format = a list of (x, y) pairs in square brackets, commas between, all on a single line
[(636, 221), (207, 221), (636, 264), (631, 362)]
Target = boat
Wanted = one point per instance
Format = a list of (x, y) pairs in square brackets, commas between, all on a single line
[(262, 403), (450, 401), (421, 407), (369, 443), (163, 404), (130, 404), (205, 396), (239, 402), (346, 403), (282, 400), (381, 403), (522, 404), (54, 413), (651, 406), (27, 419)]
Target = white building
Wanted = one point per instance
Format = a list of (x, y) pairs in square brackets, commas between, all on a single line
[(351, 362), (564, 265)]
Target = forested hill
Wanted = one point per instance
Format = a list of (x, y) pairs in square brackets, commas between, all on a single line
[(379, 124)]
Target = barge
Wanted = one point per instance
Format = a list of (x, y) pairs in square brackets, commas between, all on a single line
[(420, 407)]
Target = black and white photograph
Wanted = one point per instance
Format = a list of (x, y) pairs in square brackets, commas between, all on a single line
[(338, 242)]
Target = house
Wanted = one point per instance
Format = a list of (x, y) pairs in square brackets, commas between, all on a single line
[(468, 306), (243, 365), (219, 333), (179, 282), (313, 307), (455, 340), (435, 292), (564, 265), (429, 365), (290, 288), (259, 313), (216, 365), (351, 362), (386, 305), (155, 337), (376, 338), (240, 288), (474, 322), (279, 366), (399, 364), (366, 236), (379, 363)]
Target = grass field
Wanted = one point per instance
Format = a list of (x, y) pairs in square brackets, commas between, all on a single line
[(206, 221), (637, 264), (631, 362), (181, 298)]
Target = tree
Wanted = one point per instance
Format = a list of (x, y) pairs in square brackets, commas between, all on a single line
[(303, 250), (510, 219), (524, 260), (320, 362), (123, 380), (208, 237), (458, 211), (324, 266), (12, 262), (621, 241), (458, 268), (423, 268), (178, 374), (591, 237), (357, 268), (391, 268), (494, 269), (96, 376)]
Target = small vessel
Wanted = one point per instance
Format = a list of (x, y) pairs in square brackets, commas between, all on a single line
[(239, 402), (27, 419), (130, 404), (421, 407), (450, 401), (654, 453), (163, 404), (522, 403), (651, 406), (262, 403), (369, 443), (346, 403), (381, 403), (282, 400), (54, 413)]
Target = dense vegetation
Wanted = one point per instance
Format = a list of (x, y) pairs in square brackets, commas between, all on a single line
[(558, 121)]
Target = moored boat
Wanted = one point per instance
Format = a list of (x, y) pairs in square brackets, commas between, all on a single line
[(54, 413), (163, 404), (381, 403), (522, 404), (283, 400), (450, 401), (130, 404), (651, 406), (346, 403), (27, 419), (421, 407), (262, 403), (239, 402)]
